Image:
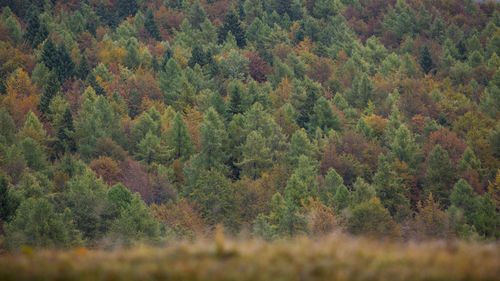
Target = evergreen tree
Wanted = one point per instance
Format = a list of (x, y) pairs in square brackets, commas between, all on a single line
[(50, 56), (33, 154), (485, 219), (256, 156), (197, 56), (135, 223), (333, 181), (327, 8), (440, 175), (237, 93), (213, 141), (65, 134), (8, 202), (292, 223), (179, 140), (196, 14), (342, 199), (83, 68), (36, 32), (65, 67), (212, 191), (151, 26), (403, 146), (462, 196), (362, 191), (324, 117), (361, 92), (299, 145), (125, 8), (232, 24), (49, 92), (370, 218), (391, 190), (37, 224), (7, 127), (426, 60)]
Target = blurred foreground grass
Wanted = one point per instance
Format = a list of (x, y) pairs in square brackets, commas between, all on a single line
[(337, 257)]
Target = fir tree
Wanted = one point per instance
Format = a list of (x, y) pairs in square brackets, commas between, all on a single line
[(50, 56), (426, 60), (151, 26), (83, 68), (65, 66), (232, 24), (49, 92)]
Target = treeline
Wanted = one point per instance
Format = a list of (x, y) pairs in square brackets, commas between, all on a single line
[(137, 120)]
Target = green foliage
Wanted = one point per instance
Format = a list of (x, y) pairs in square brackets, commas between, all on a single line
[(256, 156), (440, 175), (225, 104), (361, 92), (8, 201), (324, 117), (150, 25), (37, 224), (7, 127), (299, 145), (212, 191), (232, 24), (370, 218), (135, 223), (96, 119), (179, 140), (362, 191), (49, 92), (426, 60)]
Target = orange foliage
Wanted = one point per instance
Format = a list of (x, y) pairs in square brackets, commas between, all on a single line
[(106, 168), (22, 96), (182, 214), (320, 217)]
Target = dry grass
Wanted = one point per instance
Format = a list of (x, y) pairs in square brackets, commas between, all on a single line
[(337, 257)]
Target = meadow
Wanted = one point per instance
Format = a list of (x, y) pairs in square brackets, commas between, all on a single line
[(336, 257)]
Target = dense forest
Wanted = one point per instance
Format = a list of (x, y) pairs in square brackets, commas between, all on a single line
[(125, 121)]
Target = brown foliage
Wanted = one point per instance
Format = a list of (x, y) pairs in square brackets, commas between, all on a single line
[(430, 221), (184, 213), (321, 70), (320, 217), (22, 96), (258, 68), (107, 147), (106, 168), (449, 141), (252, 197), (134, 176)]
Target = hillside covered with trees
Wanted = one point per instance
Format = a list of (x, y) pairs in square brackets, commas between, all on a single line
[(125, 121)]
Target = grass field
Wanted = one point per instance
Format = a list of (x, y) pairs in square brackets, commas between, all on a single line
[(336, 257)]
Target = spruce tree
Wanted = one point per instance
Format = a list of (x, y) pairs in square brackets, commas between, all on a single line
[(8, 202), (49, 92), (50, 56), (125, 8), (151, 26), (426, 60), (65, 134), (232, 24), (440, 175), (65, 67), (83, 68)]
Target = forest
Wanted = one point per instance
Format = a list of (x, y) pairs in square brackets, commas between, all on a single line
[(128, 122)]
